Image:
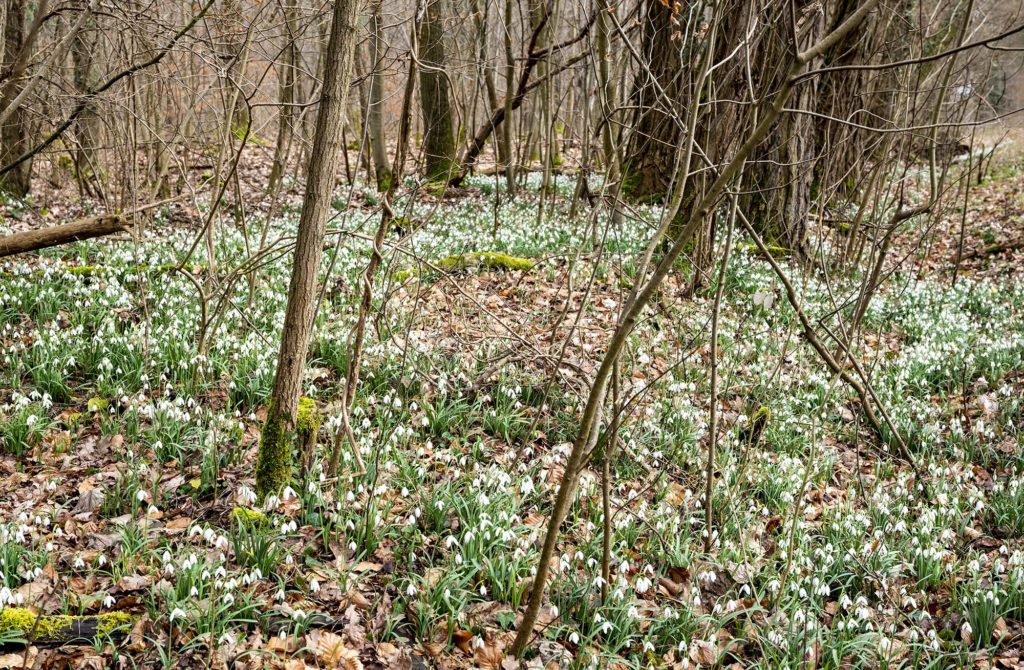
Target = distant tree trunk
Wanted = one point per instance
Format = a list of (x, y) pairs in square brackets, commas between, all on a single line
[(656, 135), (506, 130), (375, 111), (274, 464), (286, 96), (231, 47), (15, 137), (438, 140), (88, 170), (482, 18)]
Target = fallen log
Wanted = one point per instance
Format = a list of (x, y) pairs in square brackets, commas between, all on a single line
[(994, 249), (20, 626), (83, 229)]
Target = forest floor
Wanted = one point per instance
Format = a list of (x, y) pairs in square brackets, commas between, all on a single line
[(126, 451)]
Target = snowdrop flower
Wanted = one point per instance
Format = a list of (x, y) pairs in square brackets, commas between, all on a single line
[(177, 613), (410, 590)]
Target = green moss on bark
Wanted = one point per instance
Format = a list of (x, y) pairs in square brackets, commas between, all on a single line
[(307, 419), (58, 626), (487, 259), (490, 260), (274, 463)]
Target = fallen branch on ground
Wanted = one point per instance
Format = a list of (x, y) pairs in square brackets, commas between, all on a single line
[(59, 629), (83, 229)]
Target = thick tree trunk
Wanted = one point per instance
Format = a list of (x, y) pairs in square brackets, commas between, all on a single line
[(15, 138), (274, 466), (785, 164), (656, 135), (438, 141), (96, 226)]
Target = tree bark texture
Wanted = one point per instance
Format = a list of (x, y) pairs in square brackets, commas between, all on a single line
[(438, 140), (274, 465)]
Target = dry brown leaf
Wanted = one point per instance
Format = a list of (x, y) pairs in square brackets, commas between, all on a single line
[(463, 639), (328, 646), (489, 656), (285, 645), (999, 629), (703, 653), (178, 523), (433, 649), (358, 599), (134, 582), (676, 494), (13, 661)]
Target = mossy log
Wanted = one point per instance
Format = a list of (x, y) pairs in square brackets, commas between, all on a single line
[(490, 260), (775, 250), (60, 629)]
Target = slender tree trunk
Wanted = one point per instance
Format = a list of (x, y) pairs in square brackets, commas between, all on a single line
[(375, 113), (510, 74), (438, 141), (15, 136), (231, 46), (274, 466), (88, 131), (286, 96)]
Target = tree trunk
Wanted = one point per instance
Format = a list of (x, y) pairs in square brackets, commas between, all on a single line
[(782, 195), (649, 167), (87, 128), (438, 141), (274, 465), (230, 44), (286, 96), (15, 138), (375, 111), (506, 131)]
